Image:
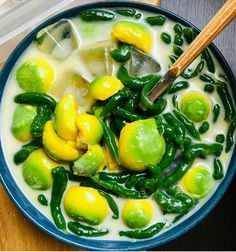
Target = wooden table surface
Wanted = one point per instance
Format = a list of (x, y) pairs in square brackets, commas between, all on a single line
[(216, 232)]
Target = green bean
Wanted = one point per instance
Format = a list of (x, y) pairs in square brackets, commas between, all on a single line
[(156, 20), (120, 177), (201, 150), (122, 53), (115, 101), (60, 180), (204, 127), (227, 101), (230, 136), (112, 204), (178, 127), (220, 138), (176, 175), (189, 125), (21, 155), (97, 15), (177, 203), (216, 112), (209, 61), (119, 189), (128, 116), (196, 72), (206, 78), (177, 50), (178, 29), (136, 83), (109, 138), (165, 37), (42, 200), (188, 35), (209, 88), (178, 40), (35, 98), (177, 86), (82, 230), (218, 169), (144, 233), (44, 113)]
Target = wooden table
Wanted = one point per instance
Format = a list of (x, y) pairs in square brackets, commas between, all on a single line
[(216, 232)]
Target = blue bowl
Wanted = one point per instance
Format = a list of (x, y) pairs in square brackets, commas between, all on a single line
[(40, 220)]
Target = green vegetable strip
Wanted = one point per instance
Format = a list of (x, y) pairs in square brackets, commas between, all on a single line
[(109, 138), (117, 188), (156, 20), (116, 177), (202, 150), (114, 101), (60, 180), (175, 87), (122, 53), (178, 40), (132, 103), (119, 123), (42, 200), (97, 15), (35, 98), (204, 127), (126, 12), (196, 72), (155, 107), (83, 230), (177, 50), (128, 116), (209, 61), (227, 101), (179, 202), (44, 113), (178, 29), (157, 169), (189, 125), (144, 233), (133, 179), (176, 175), (218, 169), (230, 136), (216, 112), (189, 35), (112, 204), (136, 83), (178, 126), (165, 37), (26, 150), (206, 78)]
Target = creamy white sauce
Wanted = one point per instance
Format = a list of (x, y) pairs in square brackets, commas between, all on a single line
[(74, 65)]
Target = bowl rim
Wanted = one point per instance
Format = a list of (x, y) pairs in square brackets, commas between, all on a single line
[(39, 219)]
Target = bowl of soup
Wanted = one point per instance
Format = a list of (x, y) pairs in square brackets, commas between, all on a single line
[(87, 156)]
